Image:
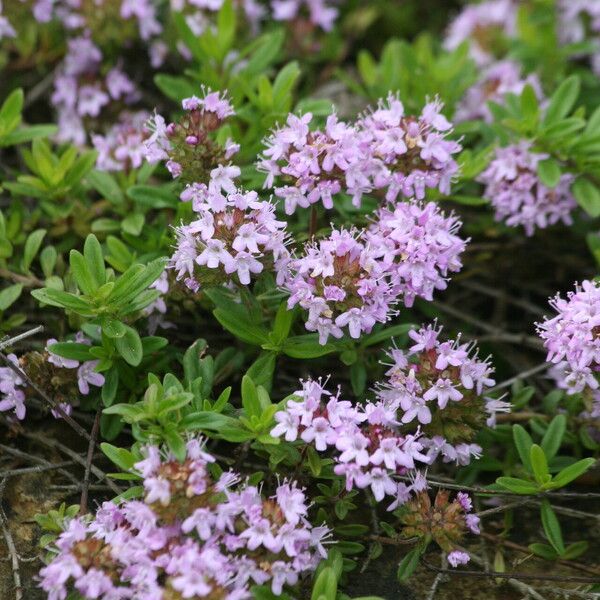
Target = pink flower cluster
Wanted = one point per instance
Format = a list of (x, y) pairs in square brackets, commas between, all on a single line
[(384, 150), (418, 246), (191, 537), (319, 13), (187, 145), (484, 26), (369, 448), (412, 152), (572, 337), (12, 385), (121, 148), (497, 80), (73, 15), (439, 386), (340, 282), (81, 91), (517, 194), (355, 279), (234, 234)]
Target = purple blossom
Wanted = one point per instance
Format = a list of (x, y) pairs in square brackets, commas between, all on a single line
[(232, 238), (200, 554), (497, 80), (371, 154), (122, 146), (186, 145), (419, 247), (87, 375), (517, 194), (368, 451), (458, 557), (340, 282), (482, 25), (571, 337)]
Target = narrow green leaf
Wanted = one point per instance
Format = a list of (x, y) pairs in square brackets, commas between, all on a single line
[(9, 295), (549, 172), (562, 101), (408, 564), (519, 486), (552, 527), (572, 472), (587, 196), (539, 464), (523, 443), (130, 347), (250, 400), (81, 273), (32, 246), (554, 435), (72, 350)]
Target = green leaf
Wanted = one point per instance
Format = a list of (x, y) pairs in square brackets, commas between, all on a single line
[(283, 322), (552, 527), (135, 280), (587, 196), (26, 134), (207, 420), (10, 295), (48, 258), (523, 443), (358, 378), (153, 197), (121, 457), (283, 84), (306, 346), (133, 224), (83, 165), (554, 435), (81, 273), (237, 322), (544, 551), (262, 369), (176, 443), (549, 172), (250, 400), (109, 389), (572, 472), (32, 246), (539, 464), (10, 113), (226, 25), (63, 300), (106, 185), (575, 550), (113, 328), (72, 350), (529, 103), (175, 88), (92, 251), (519, 486), (408, 564), (325, 586), (562, 100), (130, 347)]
